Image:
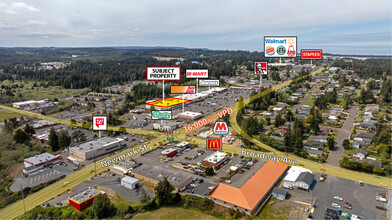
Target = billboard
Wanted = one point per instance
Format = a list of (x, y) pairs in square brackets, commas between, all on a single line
[(220, 128), (214, 144), (280, 46), (307, 54), (196, 73), (261, 68), (100, 123), (208, 82), (183, 89), (161, 115), (163, 73)]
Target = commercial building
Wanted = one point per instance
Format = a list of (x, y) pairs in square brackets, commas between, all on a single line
[(40, 161), (31, 103), (280, 193), (123, 167), (153, 174), (305, 180), (253, 195), (169, 152), (95, 148), (182, 145), (292, 176), (215, 160), (84, 198), (129, 182), (42, 124), (191, 116), (165, 125)]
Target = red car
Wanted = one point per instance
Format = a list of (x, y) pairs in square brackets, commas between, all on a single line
[(240, 171), (347, 203), (221, 180)]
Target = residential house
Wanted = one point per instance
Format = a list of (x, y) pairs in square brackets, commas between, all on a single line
[(314, 144), (281, 131), (372, 107), (360, 153), (322, 139)]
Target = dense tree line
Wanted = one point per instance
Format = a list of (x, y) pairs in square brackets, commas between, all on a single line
[(374, 68)]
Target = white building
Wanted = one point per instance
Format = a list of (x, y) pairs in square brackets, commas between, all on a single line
[(292, 174), (129, 182), (95, 148), (40, 161), (165, 125), (190, 115)]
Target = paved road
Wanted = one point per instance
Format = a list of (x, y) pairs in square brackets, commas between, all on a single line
[(345, 132), (305, 100)]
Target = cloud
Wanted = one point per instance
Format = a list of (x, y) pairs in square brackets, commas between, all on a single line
[(36, 22), (23, 7)]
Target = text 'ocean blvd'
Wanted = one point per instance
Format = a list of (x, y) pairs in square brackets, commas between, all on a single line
[(132, 152), (265, 156)]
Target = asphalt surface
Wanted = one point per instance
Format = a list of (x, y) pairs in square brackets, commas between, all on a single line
[(345, 132), (305, 100)]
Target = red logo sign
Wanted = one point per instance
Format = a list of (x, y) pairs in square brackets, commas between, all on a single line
[(261, 68), (311, 54), (99, 121), (214, 144)]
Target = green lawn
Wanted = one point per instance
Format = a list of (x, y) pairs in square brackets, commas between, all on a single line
[(8, 114), (173, 213), (310, 102)]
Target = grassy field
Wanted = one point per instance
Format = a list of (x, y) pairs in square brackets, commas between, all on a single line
[(173, 213), (281, 210), (29, 93), (8, 114)]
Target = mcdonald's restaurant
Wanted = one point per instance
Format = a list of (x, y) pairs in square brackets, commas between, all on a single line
[(216, 160)]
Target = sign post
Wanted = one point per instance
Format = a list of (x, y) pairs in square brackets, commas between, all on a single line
[(261, 68), (310, 54), (163, 73), (280, 46), (100, 124)]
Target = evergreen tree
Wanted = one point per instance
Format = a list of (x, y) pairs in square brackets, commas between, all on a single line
[(20, 136), (53, 140), (64, 139), (29, 129), (330, 143), (102, 207)]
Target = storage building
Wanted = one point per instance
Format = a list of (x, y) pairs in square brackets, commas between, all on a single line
[(129, 182), (84, 198)]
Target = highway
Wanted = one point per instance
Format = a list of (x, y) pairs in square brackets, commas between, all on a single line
[(78, 177)]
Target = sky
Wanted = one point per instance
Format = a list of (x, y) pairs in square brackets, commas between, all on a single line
[(355, 27)]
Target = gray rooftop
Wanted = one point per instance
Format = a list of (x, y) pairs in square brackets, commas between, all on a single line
[(84, 194), (96, 144), (280, 191), (41, 158), (176, 178), (305, 177)]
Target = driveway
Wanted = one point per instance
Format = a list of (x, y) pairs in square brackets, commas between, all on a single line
[(345, 132)]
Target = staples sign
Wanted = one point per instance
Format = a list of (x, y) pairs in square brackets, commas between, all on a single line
[(311, 54), (100, 123), (220, 128)]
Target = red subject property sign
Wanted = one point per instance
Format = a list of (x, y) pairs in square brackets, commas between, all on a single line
[(311, 54)]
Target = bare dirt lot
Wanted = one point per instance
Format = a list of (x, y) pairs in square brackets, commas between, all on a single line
[(169, 58)]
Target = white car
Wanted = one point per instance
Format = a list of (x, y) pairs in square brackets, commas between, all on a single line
[(211, 187), (338, 198), (227, 181), (335, 205)]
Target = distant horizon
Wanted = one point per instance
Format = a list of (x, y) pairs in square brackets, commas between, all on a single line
[(182, 48), (358, 27)]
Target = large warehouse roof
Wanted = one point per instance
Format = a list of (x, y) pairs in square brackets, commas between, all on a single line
[(250, 194)]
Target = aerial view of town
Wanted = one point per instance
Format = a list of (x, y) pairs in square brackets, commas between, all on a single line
[(196, 109)]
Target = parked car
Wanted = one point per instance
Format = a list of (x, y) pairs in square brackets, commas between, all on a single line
[(336, 205), (345, 202), (222, 180), (227, 181), (381, 207), (239, 171), (338, 198)]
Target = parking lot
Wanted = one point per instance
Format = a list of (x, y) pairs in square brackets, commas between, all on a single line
[(41, 176), (214, 103), (362, 198)]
